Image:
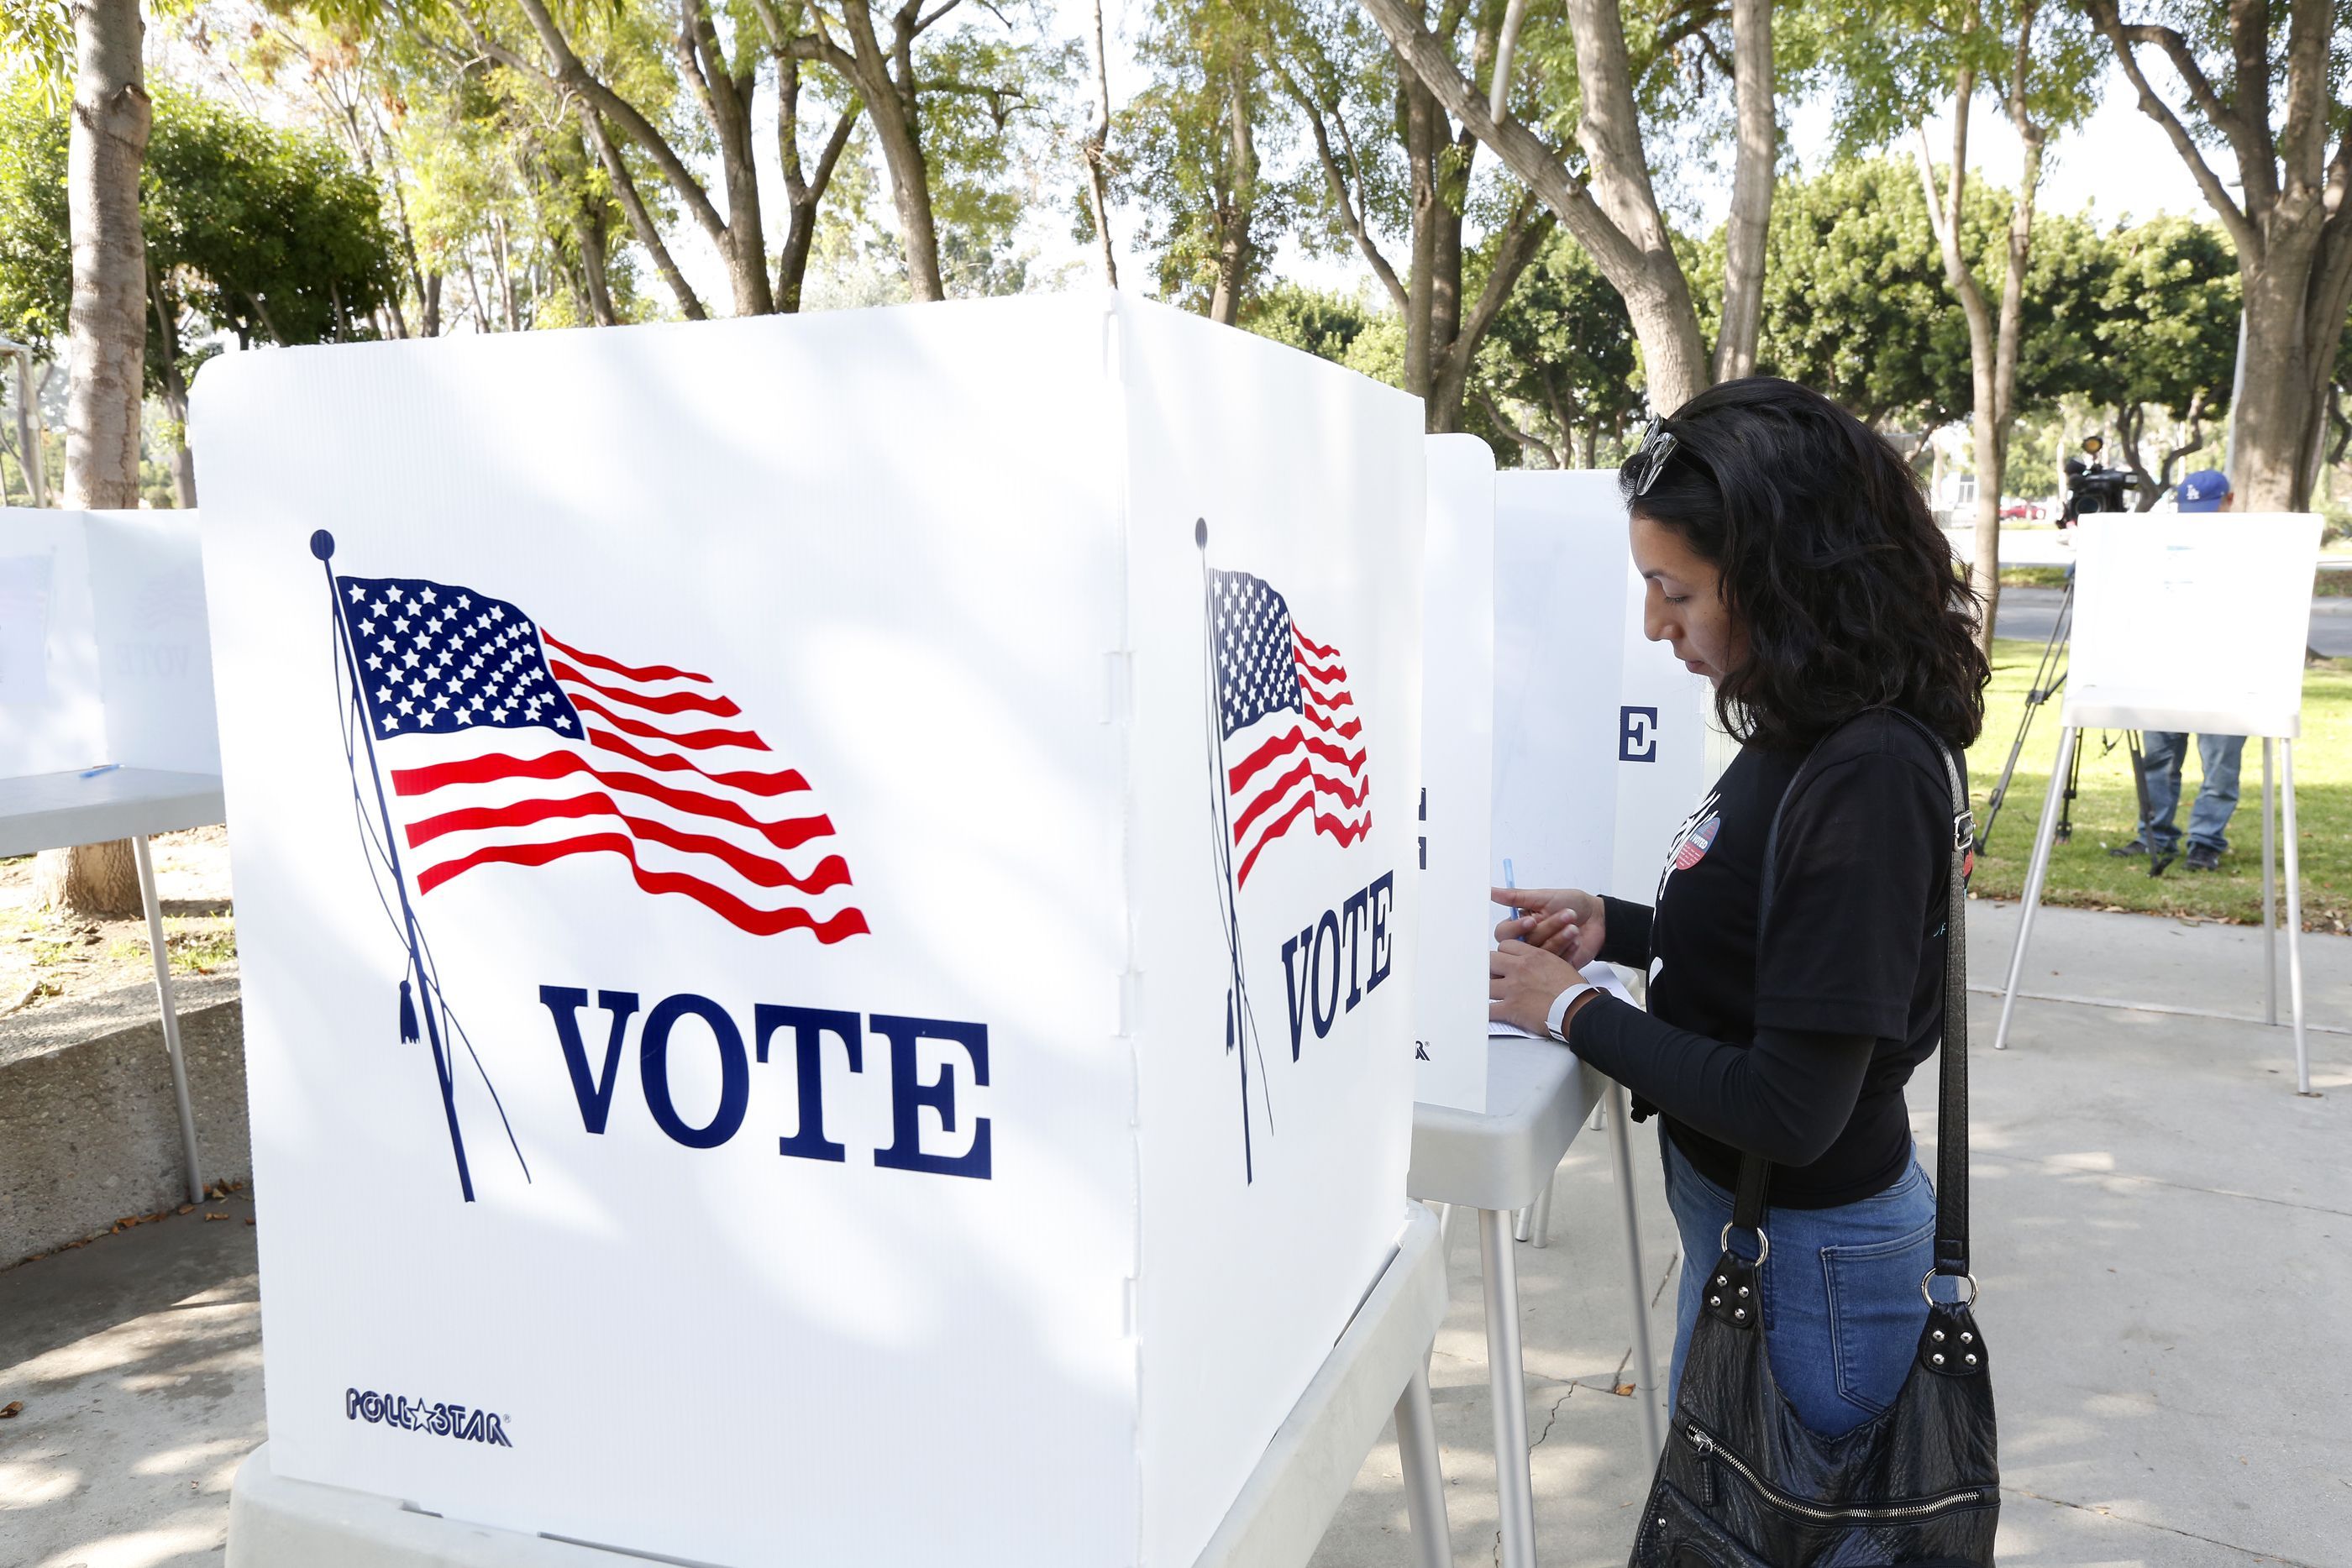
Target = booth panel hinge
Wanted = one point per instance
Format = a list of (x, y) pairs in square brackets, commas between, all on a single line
[(1118, 687)]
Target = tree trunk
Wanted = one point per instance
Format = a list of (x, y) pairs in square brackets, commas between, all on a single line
[(1751, 189), (2275, 411), (632, 207), (108, 331), (2289, 223), (176, 395), (108, 323), (1424, 145), (1235, 251), (803, 189), (595, 267), (89, 881), (1097, 152)]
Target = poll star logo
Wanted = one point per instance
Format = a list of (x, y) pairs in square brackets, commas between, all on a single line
[(1286, 748), (438, 1418), (505, 746)]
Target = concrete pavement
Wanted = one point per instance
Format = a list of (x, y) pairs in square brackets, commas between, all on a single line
[(2163, 1231)]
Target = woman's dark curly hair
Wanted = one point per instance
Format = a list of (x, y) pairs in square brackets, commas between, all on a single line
[(1829, 560)]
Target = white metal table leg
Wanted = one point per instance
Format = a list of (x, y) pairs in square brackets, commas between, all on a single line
[(1506, 1378), (2037, 872), (1646, 1369), (2293, 919), (2270, 892), (1424, 1482), (1523, 1222), (145, 857), (1541, 1226)]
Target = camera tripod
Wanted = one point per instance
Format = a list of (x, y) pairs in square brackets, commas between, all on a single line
[(2049, 678)]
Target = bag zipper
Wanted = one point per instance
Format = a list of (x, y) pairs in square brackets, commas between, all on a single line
[(1709, 1450)]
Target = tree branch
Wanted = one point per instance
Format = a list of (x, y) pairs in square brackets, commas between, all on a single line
[(2243, 232), (1504, 422), (571, 77), (1536, 164), (1350, 218), (2202, 91)]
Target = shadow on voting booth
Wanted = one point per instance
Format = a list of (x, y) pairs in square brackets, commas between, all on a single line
[(106, 705), (2190, 622), (840, 890)]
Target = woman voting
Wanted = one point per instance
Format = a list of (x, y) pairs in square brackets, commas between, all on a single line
[(1790, 557)]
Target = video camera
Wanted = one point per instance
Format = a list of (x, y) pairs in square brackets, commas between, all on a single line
[(2093, 486)]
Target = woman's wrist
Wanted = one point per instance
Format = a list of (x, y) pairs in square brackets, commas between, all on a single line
[(1579, 997)]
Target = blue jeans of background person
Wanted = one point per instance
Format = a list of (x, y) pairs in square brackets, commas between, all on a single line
[(2165, 751), (1842, 1312)]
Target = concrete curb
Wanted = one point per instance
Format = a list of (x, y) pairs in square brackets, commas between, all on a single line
[(88, 1132)]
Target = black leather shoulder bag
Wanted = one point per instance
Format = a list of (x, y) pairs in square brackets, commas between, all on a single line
[(1743, 1483)]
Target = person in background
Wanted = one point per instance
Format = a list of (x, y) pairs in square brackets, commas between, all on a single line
[(2165, 751)]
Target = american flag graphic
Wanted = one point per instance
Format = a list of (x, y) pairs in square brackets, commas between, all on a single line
[(505, 746), (1293, 743)]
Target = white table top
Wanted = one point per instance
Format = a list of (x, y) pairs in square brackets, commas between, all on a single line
[(1537, 1096), (51, 810)]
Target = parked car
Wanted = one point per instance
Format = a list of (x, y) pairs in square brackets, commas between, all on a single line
[(2022, 511)]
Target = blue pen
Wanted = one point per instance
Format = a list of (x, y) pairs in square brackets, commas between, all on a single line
[(101, 768)]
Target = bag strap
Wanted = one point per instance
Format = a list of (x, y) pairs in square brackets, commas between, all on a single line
[(1952, 1100)]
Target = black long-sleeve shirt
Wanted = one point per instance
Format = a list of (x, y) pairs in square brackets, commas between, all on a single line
[(1798, 1053)]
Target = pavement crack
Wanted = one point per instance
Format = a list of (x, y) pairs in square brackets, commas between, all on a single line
[(1550, 1418), (2250, 1553), (1666, 1278)]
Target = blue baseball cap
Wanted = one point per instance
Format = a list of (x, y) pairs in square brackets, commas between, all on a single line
[(2204, 491)]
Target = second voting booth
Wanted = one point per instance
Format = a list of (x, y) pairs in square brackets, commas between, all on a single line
[(838, 889)]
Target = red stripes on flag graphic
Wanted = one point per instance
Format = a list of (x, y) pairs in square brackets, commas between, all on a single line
[(694, 808), (1293, 775)]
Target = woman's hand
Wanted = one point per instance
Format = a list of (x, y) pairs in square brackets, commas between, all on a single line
[(1564, 921), (1522, 983)]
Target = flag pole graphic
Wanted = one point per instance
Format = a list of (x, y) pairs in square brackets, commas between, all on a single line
[(1239, 1020), (322, 545)]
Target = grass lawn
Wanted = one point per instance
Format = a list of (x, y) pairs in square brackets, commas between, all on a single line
[(2083, 874)]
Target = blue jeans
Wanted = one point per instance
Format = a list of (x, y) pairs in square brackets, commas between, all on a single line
[(2217, 797), (1842, 1311)]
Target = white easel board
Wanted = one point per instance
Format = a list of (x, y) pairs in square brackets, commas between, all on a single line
[(103, 655), (2192, 621), (895, 1194), (1600, 735), (1457, 756)]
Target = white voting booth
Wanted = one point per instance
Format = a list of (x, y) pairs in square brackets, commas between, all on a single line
[(2194, 623), (888, 836), (1457, 751), (1602, 739), (106, 705)]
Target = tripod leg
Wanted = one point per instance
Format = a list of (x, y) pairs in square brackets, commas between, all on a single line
[(2037, 872)]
